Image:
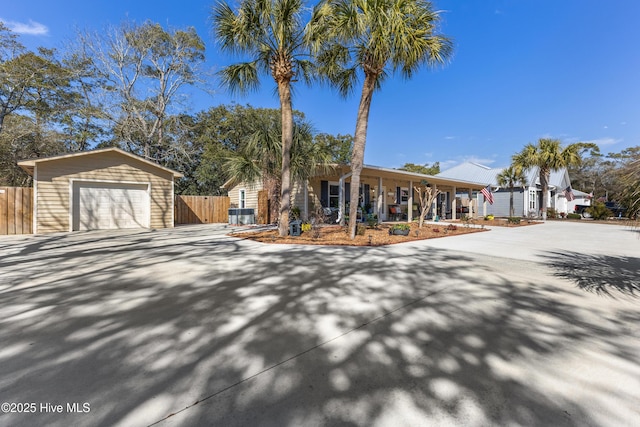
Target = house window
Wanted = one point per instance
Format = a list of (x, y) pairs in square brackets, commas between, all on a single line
[(532, 200), (334, 194), (242, 199), (404, 196)]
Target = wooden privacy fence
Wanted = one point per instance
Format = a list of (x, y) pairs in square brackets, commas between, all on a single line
[(16, 210), (201, 209)]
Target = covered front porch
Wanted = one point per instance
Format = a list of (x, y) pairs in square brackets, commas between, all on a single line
[(387, 195)]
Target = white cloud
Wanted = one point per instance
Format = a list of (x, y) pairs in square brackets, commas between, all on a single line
[(480, 160), (449, 137), (606, 127), (31, 28), (605, 141)]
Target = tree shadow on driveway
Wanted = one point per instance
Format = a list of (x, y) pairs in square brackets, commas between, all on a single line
[(604, 275), (285, 335)]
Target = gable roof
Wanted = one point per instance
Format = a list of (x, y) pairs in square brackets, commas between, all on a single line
[(470, 171), (29, 164)]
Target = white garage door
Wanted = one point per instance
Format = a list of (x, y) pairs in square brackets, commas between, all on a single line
[(108, 206)]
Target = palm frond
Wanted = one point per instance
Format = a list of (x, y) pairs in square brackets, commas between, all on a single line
[(240, 78)]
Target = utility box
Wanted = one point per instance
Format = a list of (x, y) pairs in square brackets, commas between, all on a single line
[(243, 216), (295, 228)]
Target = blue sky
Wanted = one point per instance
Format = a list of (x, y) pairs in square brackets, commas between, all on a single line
[(522, 70)]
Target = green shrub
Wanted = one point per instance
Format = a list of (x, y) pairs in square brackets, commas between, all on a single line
[(574, 216), (401, 227), (514, 220), (599, 211), (360, 229), (295, 212), (551, 213)]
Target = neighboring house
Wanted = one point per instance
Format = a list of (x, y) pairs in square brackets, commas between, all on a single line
[(388, 193), (527, 200), (100, 189)]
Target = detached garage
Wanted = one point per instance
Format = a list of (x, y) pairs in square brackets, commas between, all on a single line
[(100, 190)]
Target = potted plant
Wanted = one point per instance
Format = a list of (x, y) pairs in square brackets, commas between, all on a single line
[(400, 229)]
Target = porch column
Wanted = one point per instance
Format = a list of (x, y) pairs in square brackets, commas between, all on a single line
[(410, 203), (484, 207), (454, 204), (379, 200), (470, 213), (434, 204)]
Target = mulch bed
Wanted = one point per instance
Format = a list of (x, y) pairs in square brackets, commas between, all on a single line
[(379, 236)]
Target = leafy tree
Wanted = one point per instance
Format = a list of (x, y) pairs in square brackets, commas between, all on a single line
[(260, 157), (374, 38), (548, 156), (24, 138), (627, 178), (30, 83), (511, 177), (339, 146), (425, 169), (144, 68), (271, 34)]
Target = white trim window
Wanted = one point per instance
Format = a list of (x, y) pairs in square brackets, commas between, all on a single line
[(334, 194), (533, 205), (242, 198), (404, 196)]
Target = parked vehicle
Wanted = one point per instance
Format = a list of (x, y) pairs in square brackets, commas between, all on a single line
[(615, 208), (582, 210)]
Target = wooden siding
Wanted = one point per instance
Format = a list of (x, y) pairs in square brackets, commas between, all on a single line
[(201, 209), (251, 195), (16, 210), (500, 207), (53, 186)]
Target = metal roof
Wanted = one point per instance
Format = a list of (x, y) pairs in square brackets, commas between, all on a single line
[(479, 173)]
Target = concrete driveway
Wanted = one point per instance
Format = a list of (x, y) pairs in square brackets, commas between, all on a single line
[(531, 326)]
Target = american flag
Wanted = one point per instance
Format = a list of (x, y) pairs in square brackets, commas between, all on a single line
[(486, 192), (568, 193)]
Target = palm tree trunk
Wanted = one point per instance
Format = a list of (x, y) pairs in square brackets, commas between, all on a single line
[(284, 91), (544, 183), (511, 203), (357, 157)]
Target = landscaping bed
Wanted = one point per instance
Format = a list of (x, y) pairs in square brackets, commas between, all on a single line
[(378, 236), (502, 222)]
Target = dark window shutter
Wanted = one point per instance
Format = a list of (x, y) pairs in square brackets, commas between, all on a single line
[(347, 192), (367, 195), (324, 194), (398, 196)]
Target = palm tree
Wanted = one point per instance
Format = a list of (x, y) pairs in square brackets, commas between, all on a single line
[(260, 157), (511, 177), (374, 38), (548, 156), (271, 33)]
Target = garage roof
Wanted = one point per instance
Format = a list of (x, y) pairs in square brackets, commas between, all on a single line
[(29, 165)]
